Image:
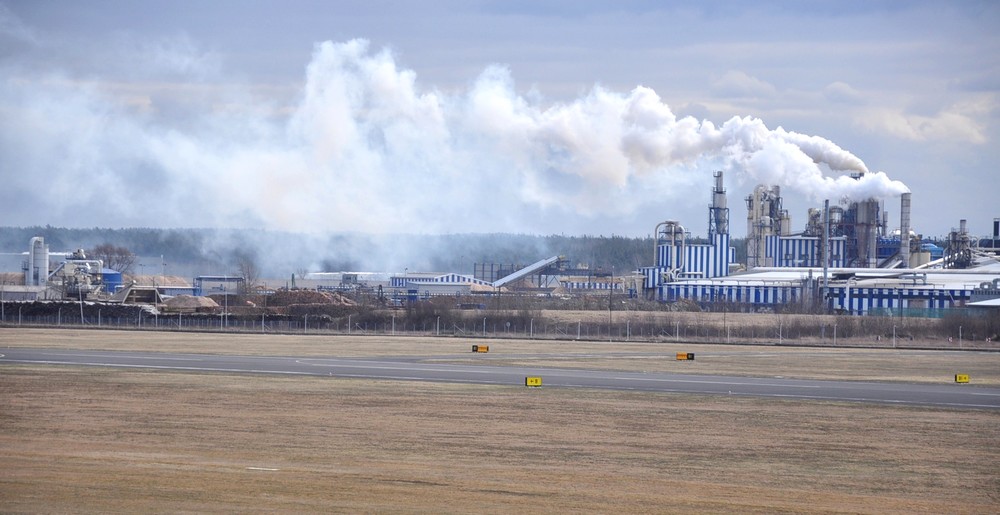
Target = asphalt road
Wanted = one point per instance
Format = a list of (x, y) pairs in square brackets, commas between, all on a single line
[(409, 369)]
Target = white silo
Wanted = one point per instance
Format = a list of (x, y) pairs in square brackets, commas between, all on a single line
[(36, 268)]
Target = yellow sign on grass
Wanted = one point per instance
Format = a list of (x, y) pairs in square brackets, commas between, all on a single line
[(532, 381), (961, 378)]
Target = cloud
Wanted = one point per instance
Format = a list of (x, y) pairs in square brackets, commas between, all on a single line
[(737, 84), (842, 93), (177, 55), (957, 124)]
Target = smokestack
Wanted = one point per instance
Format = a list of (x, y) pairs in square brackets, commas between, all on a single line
[(904, 229), (962, 226), (996, 228), (825, 250), (718, 219)]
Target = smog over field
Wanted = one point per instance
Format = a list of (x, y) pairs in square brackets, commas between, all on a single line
[(141, 120)]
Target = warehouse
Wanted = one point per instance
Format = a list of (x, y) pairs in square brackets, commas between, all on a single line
[(849, 291)]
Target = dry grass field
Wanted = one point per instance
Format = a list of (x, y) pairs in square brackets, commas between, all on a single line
[(81, 439)]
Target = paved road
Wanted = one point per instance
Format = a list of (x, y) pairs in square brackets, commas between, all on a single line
[(943, 395)]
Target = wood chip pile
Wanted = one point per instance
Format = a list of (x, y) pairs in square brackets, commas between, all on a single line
[(295, 297), (11, 278), (190, 303)]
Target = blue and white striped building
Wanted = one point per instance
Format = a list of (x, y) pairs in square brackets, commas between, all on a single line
[(867, 291), (803, 251), (590, 285), (703, 276), (697, 261), (401, 281)]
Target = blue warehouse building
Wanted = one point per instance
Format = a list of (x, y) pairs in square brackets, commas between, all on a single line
[(849, 291), (804, 251)]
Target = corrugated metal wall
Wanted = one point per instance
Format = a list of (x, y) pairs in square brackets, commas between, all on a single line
[(855, 301), (802, 251)]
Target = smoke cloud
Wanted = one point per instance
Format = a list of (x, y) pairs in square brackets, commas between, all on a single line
[(365, 147)]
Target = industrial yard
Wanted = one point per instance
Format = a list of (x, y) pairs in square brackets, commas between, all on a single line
[(847, 260), (145, 440)]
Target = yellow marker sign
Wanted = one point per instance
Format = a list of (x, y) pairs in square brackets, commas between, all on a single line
[(532, 381), (683, 356), (480, 348), (961, 378)]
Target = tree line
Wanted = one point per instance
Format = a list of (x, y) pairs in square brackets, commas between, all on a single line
[(279, 254)]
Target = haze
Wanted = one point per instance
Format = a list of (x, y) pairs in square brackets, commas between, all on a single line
[(450, 117)]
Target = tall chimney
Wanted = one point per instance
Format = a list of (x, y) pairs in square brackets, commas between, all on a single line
[(904, 229), (718, 217)]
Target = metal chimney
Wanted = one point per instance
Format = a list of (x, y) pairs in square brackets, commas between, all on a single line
[(718, 213), (904, 229)]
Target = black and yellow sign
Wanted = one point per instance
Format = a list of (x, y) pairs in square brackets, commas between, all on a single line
[(532, 381), (684, 356), (961, 378), (480, 348)]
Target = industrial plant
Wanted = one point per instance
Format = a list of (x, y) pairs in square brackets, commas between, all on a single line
[(847, 258)]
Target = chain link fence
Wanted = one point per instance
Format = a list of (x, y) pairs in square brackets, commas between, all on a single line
[(958, 330)]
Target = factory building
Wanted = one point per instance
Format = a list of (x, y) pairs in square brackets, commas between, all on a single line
[(766, 220), (73, 276), (853, 291), (844, 261), (677, 258)]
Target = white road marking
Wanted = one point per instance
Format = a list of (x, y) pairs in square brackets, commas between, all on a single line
[(128, 356), (382, 365), (160, 367)]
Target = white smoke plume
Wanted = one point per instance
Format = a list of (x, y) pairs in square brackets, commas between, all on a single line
[(366, 148)]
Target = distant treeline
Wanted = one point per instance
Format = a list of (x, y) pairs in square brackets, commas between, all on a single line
[(279, 254)]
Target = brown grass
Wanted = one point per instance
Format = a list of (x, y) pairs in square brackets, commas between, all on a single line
[(106, 440)]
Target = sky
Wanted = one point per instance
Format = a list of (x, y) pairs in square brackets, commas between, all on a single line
[(438, 117)]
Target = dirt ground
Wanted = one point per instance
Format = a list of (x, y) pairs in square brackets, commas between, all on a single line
[(81, 439)]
